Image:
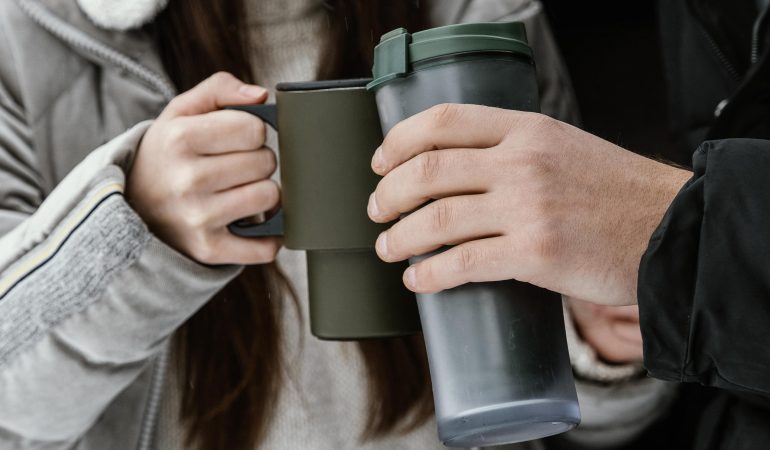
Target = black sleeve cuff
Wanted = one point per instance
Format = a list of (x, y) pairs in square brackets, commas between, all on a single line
[(704, 282)]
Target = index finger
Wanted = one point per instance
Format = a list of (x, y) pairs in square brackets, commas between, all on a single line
[(440, 127), (214, 93)]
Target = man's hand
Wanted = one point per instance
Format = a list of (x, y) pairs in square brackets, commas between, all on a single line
[(520, 196)]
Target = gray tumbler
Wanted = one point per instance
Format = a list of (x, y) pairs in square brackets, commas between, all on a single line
[(497, 351)]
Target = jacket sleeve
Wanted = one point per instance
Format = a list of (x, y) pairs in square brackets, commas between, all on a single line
[(88, 296), (704, 282)]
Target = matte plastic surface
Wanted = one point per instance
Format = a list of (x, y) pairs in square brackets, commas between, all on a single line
[(497, 351), (327, 140), (354, 295), (328, 132)]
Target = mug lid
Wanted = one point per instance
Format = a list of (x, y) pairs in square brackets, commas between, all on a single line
[(399, 50), (322, 85)]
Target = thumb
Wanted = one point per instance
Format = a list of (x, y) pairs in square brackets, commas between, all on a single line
[(214, 93)]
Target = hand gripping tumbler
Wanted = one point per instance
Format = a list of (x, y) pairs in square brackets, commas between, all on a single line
[(497, 351)]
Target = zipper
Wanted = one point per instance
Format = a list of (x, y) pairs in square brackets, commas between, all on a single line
[(147, 432), (78, 39), (720, 55), (725, 63), (758, 25)]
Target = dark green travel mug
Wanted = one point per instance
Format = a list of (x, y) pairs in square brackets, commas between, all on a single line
[(328, 131)]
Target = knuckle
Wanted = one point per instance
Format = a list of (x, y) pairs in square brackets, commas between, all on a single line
[(392, 141), (260, 132), (268, 160), (423, 274), (536, 165), (444, 115), (542, 122), (428, 166), (464, 260), (197, 219), (532, 129), (271, 194), (384, 195), (546, 243), (204, 249), (394, 243), (221, 77), (176, 102), (266, 252), (177, 137), (541, 162), (442, 216), (185, 183)]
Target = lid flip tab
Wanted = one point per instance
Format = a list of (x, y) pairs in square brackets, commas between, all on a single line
[(392, 56), (399, 50)]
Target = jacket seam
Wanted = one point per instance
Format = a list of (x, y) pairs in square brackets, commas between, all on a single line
[(98, 50), (154, 399), (14, 58), (57, 97), (61, 94)]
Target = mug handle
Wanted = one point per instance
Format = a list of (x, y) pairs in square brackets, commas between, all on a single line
[(274, 225)]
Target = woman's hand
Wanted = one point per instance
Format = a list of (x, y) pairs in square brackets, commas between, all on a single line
[(612, 331), (200, 168), (521, 196)]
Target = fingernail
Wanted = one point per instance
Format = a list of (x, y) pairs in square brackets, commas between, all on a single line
[(410, 278), (382, 244), (378, 161), (374, 210), (251, 90)]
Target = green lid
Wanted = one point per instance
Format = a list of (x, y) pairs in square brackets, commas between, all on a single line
[(399, 50)]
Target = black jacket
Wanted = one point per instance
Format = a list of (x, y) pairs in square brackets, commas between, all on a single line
[(704, 282)]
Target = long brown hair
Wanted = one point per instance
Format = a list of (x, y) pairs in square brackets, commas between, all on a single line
[(229, 353)]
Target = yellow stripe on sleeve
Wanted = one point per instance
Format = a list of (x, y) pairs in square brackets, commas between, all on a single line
[(54, 243)]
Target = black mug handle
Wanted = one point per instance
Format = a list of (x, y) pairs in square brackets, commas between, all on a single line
[(268, 113), (274, 225)]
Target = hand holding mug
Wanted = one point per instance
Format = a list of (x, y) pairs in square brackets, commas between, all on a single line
[(199, 168)]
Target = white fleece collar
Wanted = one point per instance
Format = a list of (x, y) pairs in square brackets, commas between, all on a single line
[(121, 14)]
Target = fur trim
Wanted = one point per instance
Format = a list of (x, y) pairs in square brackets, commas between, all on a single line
[(121, 14)]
